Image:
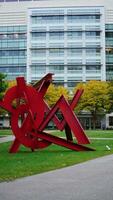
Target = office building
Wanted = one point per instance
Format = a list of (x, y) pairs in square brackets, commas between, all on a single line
[(72, 39)]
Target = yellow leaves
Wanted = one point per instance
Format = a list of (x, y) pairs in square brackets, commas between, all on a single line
[(11, 83), (95, 96), (54, 93)]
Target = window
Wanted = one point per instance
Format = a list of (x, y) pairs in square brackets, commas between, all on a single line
[(109, 26), (36, 69), (12, 29), (110, 121), (74, 69), (93, 67), (109, 35), (56, 68), (74, 52), (56, 35), (83, 18), (47, 19), (56, 52), (10, 0), (109, 59), (12, 53), (15, 69), (92, 33), (74, 35), (38, 36), (38, 52), (93, 52), (109, 68)]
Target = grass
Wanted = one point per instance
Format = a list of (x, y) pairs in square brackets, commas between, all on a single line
[(25, 162), (5, 132), (100, 133)]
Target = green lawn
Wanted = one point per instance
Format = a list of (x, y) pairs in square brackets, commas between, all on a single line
[(92, 133), (25, 162), (4, 132), (100, 133)]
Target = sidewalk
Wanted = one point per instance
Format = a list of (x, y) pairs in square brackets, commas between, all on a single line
[(11, 138), (6, 139), (92, 180)]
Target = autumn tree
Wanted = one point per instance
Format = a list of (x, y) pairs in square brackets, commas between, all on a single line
[(95, 98), (54, 93), (110, 92), (11, 83)]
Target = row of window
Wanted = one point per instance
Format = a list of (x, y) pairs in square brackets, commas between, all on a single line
[(14, 0), (109, 68), (13, 36), (70, 44), (17, 29), (83, 11), (70, 11), (13, 69), (70, 61), (12, 61), (109, 71), (60, 52), (83, 17), (109, 42), (109, 59), (60, 35), (69, 67), (109, 27), (47, 19), (109, 35), (12, 53), (60, 19), (13, 44)]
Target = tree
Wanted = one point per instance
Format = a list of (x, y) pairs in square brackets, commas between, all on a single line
[(95, 98), (11, 83), (3, 87), (3, 84), (54, 93), (110, 92)]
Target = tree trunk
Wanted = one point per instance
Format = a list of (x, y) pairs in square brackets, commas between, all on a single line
[(94, 117)]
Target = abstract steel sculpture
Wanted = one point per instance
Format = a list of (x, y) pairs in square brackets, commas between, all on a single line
[(26, 103)]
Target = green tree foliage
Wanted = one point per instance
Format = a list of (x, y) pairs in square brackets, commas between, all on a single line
[(3, 85), (95, 98), (54, 93)]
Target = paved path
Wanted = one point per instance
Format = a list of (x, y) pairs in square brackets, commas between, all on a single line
[(11, 137), (6, 139), (92, 180)]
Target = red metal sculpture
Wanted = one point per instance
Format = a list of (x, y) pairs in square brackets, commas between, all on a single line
[(26, 103)]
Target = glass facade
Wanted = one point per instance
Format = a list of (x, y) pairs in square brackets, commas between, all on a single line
[(68, 42), (13, 51), (109, 51), (14, 0)]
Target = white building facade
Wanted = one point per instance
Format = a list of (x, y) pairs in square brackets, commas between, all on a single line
[(69, 42), (72, 39)]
